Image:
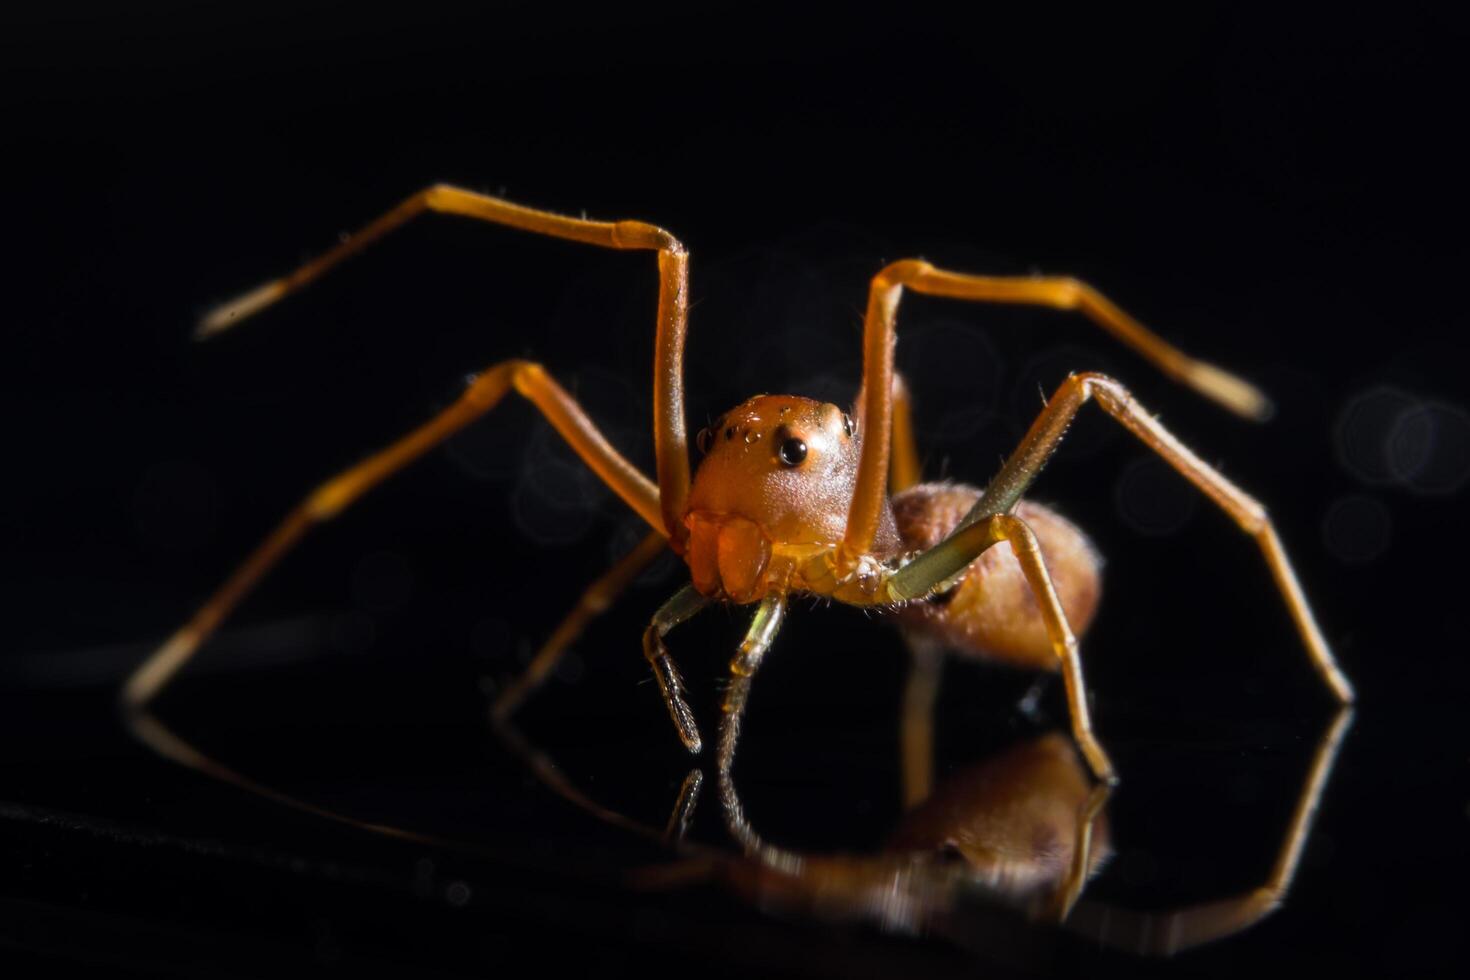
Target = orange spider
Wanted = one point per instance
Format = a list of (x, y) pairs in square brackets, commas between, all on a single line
[(797, 496)]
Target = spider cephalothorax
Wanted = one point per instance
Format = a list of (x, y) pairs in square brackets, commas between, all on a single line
[(771, 493)]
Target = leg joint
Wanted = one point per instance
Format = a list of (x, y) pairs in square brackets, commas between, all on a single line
[(435, 194), (332, 497), (525, 375), (486, 388), (901, 273), (1068, 293), (639, 234), (1109, 392), (1017, 532), (1096, 379), (653, 644)]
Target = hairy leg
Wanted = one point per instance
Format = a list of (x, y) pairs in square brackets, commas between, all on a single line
[(684, 604), (1060, 293), (763, 628), (670, 438), (332, 497), (600, 595)]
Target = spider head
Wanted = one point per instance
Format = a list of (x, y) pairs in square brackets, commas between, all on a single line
[(777, 471)]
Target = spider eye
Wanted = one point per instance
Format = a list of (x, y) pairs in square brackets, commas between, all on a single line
[(703, 440), (791, 452), (847, 425)]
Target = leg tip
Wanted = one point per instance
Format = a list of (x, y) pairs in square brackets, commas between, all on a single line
[(229, 313), (1231, 392), (685, 725)]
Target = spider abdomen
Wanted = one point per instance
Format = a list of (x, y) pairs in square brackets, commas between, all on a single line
[(992, 612)]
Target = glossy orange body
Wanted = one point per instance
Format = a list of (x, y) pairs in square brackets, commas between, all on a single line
[(992, 612), (758, 526)]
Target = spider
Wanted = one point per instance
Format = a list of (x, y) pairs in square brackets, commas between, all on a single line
[(796, 496)]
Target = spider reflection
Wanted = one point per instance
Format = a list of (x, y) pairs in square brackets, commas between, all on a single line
[(1022, 830)]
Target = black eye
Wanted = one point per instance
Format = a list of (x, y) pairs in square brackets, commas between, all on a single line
[(847, 425), (791, 452)]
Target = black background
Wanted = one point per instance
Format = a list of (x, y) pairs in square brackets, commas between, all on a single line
[(1280, 193)]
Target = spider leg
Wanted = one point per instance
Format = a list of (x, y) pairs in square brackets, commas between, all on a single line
[(684, 604), (1163, 934), (979, 529), (904, 469), (1081, 867), (916, 726), (332, 497), (1028, 459), (600, 595), (1060, 293), (939, 564), (670, 439), (763, 629)]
